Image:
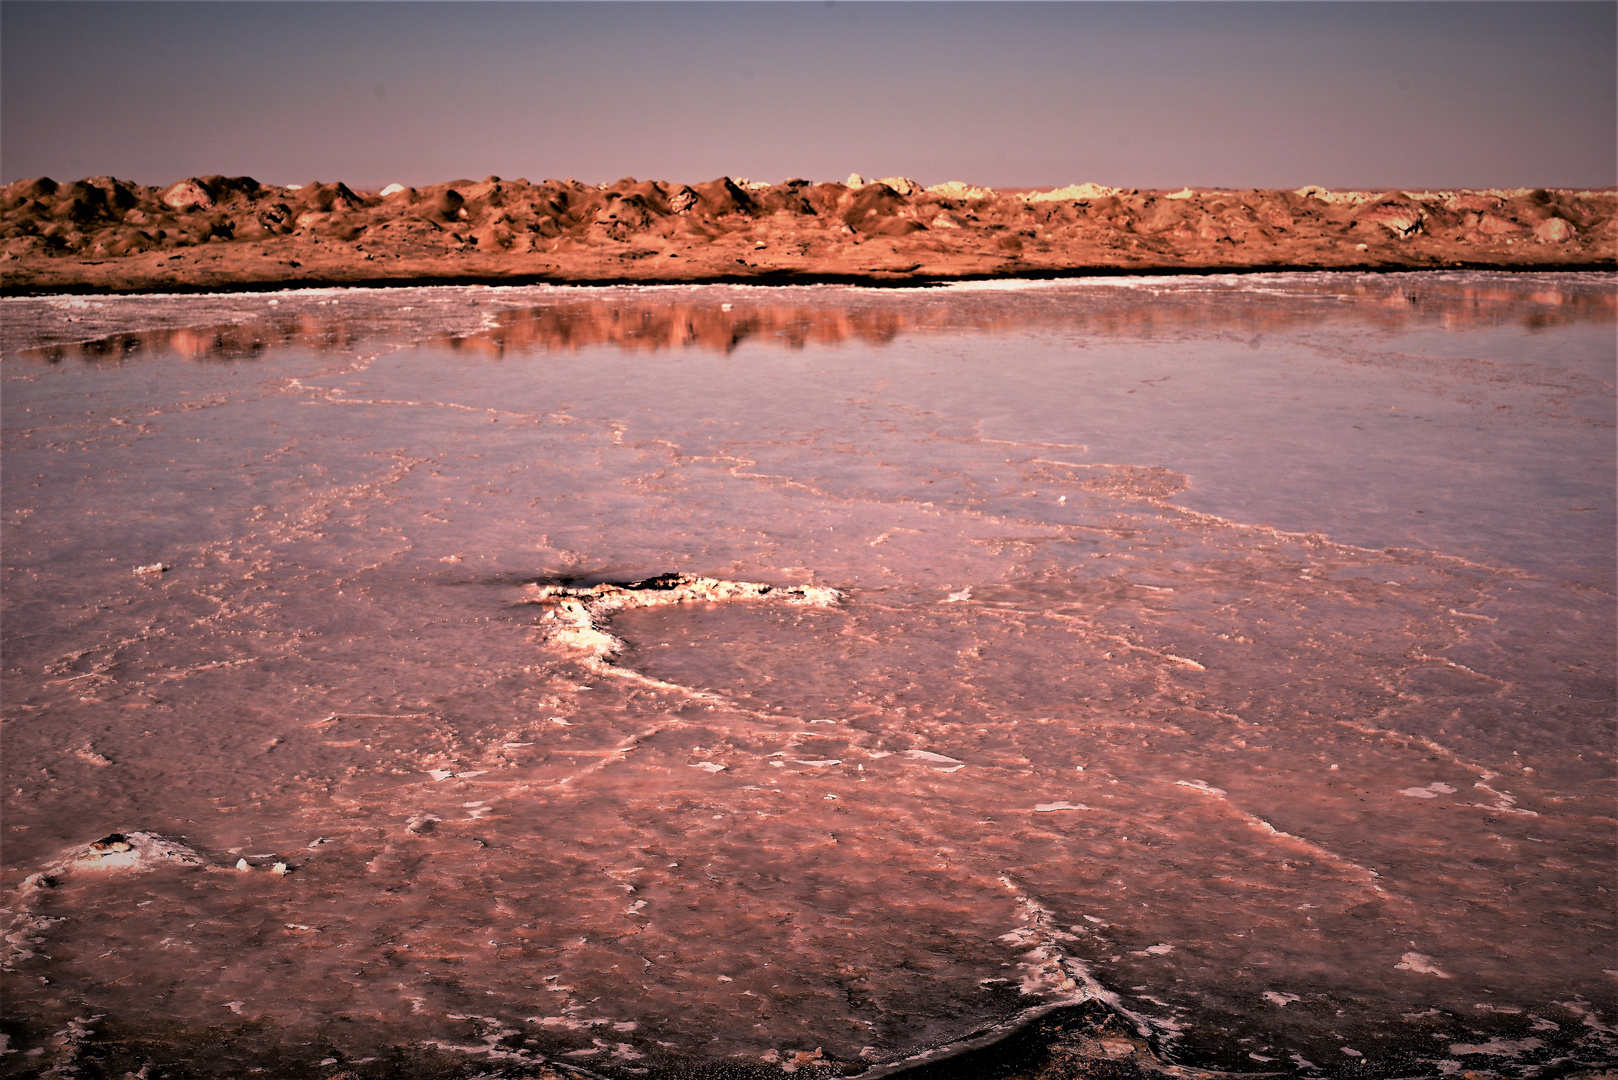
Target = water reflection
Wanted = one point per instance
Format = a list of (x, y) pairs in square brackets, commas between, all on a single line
[(651, 320), (1107, 309)]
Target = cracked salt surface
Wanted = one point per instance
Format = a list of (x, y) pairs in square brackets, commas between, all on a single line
[(415, 641)]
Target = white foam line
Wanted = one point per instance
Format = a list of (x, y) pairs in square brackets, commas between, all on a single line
[(1036, 921), (1457, 667), (1366, 874), (1420, 740), (1116, 639), (1504, 801), (1073, 973), (422, 404), (443, 293)]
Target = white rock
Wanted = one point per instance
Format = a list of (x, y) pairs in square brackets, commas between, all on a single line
[(929, 756), (1554, 231), (1320, 193), (392, 189), (187, 195), (956, 189), (1072, 192)]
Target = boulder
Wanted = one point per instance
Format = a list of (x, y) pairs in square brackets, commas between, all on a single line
[(901, 185), (682, 200), (186, 195), (1554, 231)]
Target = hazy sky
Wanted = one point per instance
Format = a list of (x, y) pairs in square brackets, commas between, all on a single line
[(1011, 94)]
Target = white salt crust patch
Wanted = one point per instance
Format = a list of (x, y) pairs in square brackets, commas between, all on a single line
[(1419, 964), (1431, 791)]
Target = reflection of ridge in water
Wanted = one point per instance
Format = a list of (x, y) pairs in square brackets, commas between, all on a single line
[(876, 318), (655, 320), (221, 343), (654, 325)]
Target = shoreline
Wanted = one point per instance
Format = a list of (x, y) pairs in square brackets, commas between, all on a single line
[(873, 281), (219, 234)]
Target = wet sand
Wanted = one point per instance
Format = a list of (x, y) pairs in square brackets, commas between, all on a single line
[(210, 233), (1214, 674)]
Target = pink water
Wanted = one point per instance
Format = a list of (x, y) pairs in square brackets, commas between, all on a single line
[(1234, 653)]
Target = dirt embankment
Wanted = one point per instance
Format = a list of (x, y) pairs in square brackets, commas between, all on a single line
[(232, 232)]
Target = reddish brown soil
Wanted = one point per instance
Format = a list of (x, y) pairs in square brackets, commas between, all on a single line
[(215, 232)]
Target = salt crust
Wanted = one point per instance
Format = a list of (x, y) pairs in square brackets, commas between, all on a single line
[(576, 618)]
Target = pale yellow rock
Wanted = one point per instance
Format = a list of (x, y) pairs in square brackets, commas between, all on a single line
[(1073, 192), (188, 195), (1352, 198), (957, 189), (1554, 231)]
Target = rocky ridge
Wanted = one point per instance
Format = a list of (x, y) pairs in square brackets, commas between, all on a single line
[(217, 232)]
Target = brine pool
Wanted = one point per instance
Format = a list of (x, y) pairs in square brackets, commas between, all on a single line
[(390, 685)]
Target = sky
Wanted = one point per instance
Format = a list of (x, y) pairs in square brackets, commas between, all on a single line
[(1144, 94)]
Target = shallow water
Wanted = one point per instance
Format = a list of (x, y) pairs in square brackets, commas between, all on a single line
[(1235, 652)]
